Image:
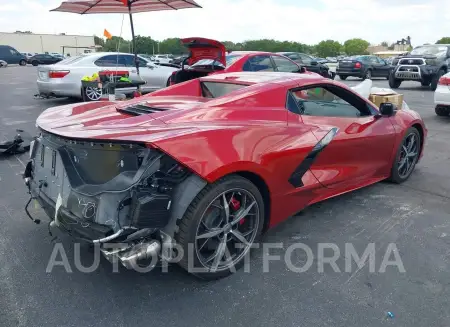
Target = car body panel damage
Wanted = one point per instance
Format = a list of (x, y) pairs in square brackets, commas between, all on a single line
[(100, 192)]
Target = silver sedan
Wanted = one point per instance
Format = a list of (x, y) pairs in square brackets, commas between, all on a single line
[(63, 79)]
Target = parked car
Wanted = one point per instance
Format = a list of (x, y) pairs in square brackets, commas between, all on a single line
[(44, 59), (309, 62), (320, 60), (163, 58), (212, 163), (425, 64), (147, 56), (442, 96), (210, 57), (12, 56), (179, 60), (364, 67), (64, 78), (390, 60), (28, 55)]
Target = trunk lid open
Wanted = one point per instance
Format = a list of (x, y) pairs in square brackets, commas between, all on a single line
[(201, 48)]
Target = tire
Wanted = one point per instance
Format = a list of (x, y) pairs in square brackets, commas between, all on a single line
[(435, 79), (332, 76), (393, 82), (442, 111), (425, 83), (168, 82), (343, 77), (91, 94), (367, 75), (35, 63), (398, 171), (23, 62), (195, 223)]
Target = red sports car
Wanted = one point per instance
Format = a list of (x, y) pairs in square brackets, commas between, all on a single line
[(208, 57), (212, 163)]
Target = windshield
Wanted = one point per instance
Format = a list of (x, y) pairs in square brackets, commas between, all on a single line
[(437, 50), (70, 60), (230, 59), (217, 89)]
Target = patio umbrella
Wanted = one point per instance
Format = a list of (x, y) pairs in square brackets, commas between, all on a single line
[(84, 7)]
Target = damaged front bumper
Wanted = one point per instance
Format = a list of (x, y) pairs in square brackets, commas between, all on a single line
[(105, 192)]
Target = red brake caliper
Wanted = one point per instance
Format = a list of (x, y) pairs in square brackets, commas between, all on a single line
[(236, 205)]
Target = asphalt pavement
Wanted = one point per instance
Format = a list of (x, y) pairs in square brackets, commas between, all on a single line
[(415, 216)]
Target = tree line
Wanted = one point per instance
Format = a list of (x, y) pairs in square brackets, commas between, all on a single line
[(326, 48)]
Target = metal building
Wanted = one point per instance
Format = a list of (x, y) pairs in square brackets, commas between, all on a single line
[(48, 43)]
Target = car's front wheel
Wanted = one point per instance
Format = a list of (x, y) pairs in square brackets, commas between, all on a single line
[(23, 62), (393, 82), (220, 226), (435, 79), (34, 63), (343, 77), (407, 156)]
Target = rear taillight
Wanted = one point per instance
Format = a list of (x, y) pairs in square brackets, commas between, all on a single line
[(58, 73), (444, 80), (358, 65)]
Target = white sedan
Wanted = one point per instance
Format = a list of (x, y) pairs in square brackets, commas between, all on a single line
[(63, 79), (442, 96)]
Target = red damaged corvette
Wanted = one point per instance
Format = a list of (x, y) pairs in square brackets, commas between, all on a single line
[(210, 164)]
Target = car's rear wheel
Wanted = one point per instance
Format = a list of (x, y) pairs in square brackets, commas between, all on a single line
[(393, 82), (367, 75), (406, 157), (442, 111), (219, 227), (435, 79), (34, 63), (92, 93), (343, 77), (23, 62)]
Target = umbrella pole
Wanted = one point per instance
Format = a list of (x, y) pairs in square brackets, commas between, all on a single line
[(132, 37)]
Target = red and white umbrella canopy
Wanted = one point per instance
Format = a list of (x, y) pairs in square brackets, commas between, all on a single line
[(121, 6)]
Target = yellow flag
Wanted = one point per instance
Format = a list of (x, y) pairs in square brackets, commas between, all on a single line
[(107, 34)]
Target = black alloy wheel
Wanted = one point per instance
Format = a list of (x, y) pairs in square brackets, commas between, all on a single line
[(220, 225), (407, 156)]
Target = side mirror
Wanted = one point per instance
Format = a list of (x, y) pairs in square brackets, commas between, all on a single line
[(302, 69), (314, 63), (387, 109)]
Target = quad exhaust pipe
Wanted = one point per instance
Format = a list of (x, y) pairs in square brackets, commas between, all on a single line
[(130, 256)]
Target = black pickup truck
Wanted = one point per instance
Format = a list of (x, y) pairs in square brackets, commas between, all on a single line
[(425, 64)]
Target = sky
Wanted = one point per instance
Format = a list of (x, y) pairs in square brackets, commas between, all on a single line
[(305, 21)]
